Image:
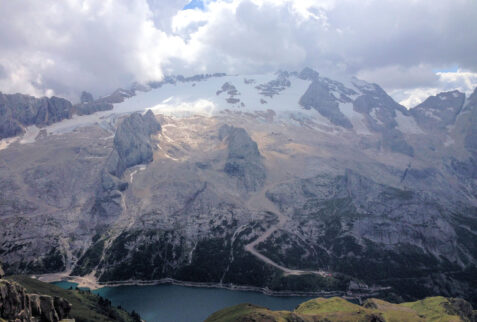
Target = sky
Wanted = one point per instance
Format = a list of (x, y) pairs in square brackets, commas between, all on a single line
[(412, 48)]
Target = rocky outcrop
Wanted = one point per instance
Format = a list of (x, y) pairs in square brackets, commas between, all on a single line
[(319, 97), (86, 98), (89, 106), (439, 111), (18, 111), (470, 140), (244, 160), (18, 305), (231, 91), (379, 110), (118, 96), (377, 107), (274, 87), (132, 146), (309, 74), (132, 142), (92, 107)]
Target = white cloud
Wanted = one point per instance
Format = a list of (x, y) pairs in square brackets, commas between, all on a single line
[(71, 45), (463, 81)]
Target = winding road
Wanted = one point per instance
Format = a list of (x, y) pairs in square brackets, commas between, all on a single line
[(261, 202)]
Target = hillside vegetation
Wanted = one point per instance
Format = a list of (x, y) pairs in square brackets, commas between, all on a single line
[(338, 309)]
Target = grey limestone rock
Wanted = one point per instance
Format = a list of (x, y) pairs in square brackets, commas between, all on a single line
[(18, 305), (132, 146), (86, 97), (132, 143), (244, 159), (471, 131), (439, 111), (309, 74), (319, 97), (379, 110), (92, 107), (18, 110)]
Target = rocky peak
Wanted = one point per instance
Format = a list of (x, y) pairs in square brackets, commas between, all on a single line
[(319, 96), (439, 111), (89, 106), (86, 97), (308, 74), (378, 107), (380, 112)]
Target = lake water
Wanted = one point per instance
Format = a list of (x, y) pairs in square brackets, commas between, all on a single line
[(185, 304)]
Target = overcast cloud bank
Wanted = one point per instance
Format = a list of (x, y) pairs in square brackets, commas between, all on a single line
[(63, 47)]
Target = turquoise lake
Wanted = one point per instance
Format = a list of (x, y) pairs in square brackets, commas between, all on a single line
[(185, 304)]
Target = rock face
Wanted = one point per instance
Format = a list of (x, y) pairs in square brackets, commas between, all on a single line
[(244, 160), (380, 112), (471, 130), (318, 96), (86, 98), (352, 198), (18, 305), (18, 111), (274, 87), (439, 111), (92, 107), (132, 146), (132, 143), (89, 106), (378, 108)]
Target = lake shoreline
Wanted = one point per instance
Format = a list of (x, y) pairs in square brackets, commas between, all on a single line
[(231, 287), (90, 282)]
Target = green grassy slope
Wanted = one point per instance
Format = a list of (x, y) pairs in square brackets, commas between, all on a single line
[(338, 309)]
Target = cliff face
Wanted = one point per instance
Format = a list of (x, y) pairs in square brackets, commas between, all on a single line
[(132, 146), (18, 111), (244, 160), (18, 305), (20, 300)]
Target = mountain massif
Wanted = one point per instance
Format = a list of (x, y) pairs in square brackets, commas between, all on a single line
[(288, 182)]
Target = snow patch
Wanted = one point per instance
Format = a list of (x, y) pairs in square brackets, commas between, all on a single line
[(357, 119), (407, 124), (31, 132)]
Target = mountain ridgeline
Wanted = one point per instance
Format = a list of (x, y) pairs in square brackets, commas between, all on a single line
[(287, 183)]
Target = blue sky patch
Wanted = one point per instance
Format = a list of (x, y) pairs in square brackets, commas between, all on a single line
[(450, 69), (194, 4)]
